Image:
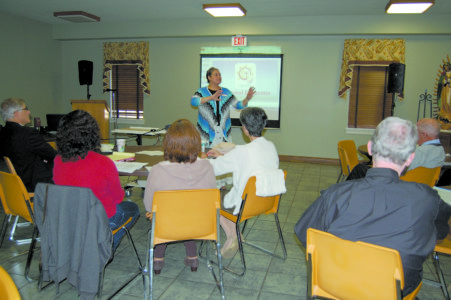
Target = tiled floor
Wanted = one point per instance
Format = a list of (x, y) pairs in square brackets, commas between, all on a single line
[(266, 278)]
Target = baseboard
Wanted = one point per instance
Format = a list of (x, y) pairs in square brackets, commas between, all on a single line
[(313, 160)]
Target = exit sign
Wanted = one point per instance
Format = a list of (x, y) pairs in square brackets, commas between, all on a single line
[(239, 40)]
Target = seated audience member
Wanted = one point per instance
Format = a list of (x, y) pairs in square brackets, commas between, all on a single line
[(428, 154), (243, 161), (181, 170), (79, 163), (381, 209), (30, 154)]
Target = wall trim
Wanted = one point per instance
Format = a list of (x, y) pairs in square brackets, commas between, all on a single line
[(312, 160)]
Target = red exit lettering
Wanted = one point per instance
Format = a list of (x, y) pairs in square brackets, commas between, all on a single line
[(239, 41)]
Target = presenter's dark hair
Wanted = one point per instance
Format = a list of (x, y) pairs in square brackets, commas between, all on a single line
[(78, 133), (181, 142), (254, 118), (210, 71)]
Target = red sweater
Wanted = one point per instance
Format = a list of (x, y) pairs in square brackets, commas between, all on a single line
[(95, 171)]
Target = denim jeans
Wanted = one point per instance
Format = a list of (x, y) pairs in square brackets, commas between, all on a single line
[(124, 211)]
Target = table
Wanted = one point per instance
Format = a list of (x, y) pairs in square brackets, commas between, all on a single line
[(140, 131), (150, 160)]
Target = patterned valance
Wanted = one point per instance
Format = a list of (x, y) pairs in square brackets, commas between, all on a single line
[(126, 53), (368, 52)]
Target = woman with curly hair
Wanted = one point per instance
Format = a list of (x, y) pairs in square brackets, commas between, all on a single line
[(79, 163), (181, 170)]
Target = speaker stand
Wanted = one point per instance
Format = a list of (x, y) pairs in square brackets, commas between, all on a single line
[(392, 104), (89, 95), (425, 99)]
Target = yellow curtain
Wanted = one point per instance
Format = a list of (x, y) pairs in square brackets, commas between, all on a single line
[(126, 53), (365, 52)]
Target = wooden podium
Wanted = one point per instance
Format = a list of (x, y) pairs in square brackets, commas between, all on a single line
[(99, 110)]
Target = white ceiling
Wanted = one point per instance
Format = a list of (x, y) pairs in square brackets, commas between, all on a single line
[(149, 10)]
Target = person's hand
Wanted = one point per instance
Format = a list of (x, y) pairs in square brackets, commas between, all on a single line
[(214, 153), (217, 96), (203, 155), (250, 93), (149, 215)]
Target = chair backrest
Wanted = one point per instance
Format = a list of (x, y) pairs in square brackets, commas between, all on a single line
[(424, 175), (9, 164), (8, 289), (255, 205), (16, 196), (74, 227), (347, 152), (342, 269), (185, 215)]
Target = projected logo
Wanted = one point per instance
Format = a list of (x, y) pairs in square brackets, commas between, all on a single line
[(245, 75)]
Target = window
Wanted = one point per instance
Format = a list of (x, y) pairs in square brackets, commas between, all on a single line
[(127, 102), (369, 102)]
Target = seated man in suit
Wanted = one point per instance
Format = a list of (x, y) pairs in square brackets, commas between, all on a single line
[(30, 154), (381, 209), (429, 153)]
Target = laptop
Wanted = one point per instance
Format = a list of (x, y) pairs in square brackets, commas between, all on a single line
[(53, 122)]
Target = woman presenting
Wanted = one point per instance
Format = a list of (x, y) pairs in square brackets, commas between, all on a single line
[(214, 103)]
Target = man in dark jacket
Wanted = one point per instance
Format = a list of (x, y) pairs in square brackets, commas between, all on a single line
[(30, 154), (380, 208)]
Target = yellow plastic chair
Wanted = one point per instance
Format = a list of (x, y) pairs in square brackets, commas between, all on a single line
[(59, 211), (443, 248), (9, 215), (17, 199), (185, 215), (424, 175), (254, 206), (342, 269), (347, 153), (8, 289)]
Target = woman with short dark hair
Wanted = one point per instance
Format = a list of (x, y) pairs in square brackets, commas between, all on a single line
[(79, 163), (181, 170)]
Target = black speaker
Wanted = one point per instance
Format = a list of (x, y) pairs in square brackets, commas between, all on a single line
[(395, 78), (85, 72)]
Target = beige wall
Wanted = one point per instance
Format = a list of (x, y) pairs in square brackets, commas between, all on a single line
[(30, 64), (313, 117)]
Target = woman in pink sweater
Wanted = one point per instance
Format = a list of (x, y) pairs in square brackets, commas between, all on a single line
[(181, 170)]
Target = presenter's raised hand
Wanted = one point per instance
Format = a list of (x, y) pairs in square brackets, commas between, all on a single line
[(250, 93)]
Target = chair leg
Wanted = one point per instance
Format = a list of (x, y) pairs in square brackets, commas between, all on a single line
[(440, 275), (241, 250), (4, 226), (140, 268), (339, 176), (30, 252), (281, 240)]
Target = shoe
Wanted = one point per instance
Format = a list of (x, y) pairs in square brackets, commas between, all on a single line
[(192, 262), (158, 264), (230, 251)]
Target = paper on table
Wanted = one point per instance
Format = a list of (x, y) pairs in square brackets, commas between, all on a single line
[(128, 167), (121, 155), (445, 194), (151, 153)]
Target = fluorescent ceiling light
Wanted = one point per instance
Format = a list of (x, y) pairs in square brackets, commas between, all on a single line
[(225, 10), (408, 6), (76, 16)]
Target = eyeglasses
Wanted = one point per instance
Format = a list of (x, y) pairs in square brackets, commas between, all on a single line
[(25, 108)]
